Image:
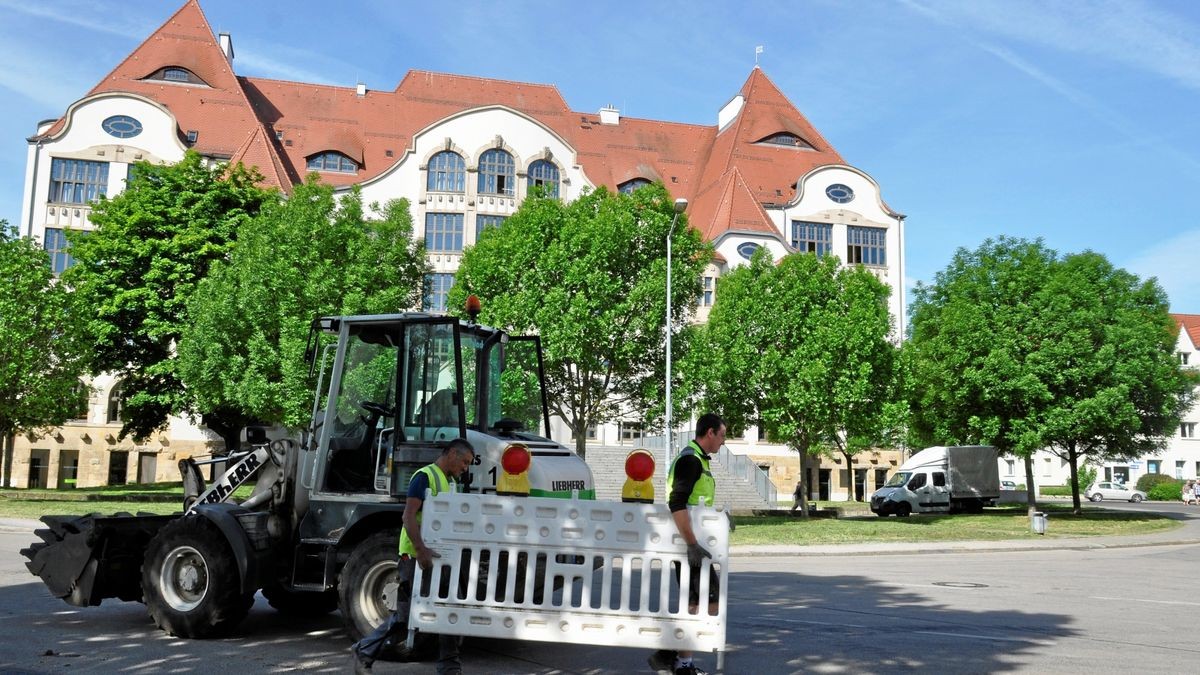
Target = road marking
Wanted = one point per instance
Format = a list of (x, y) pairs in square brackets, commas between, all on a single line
[(1155, 602), (1046, 643)]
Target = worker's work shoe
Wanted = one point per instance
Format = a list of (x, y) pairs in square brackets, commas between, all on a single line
[(690, 669), (662, 662)]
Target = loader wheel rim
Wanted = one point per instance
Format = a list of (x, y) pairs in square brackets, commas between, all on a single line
[(183, 578), (377, 593)]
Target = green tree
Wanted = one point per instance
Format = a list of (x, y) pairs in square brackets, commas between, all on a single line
[(1107, 355), (1018, 348), (135, 271), (41, 345), (589, 278), (972, 332), (801, 348), (242, 349)]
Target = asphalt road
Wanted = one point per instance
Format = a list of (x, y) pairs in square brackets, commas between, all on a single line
[(1044, 610)]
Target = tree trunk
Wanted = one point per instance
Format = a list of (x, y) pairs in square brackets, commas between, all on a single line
[(580, 442), (1073, 460), (849, 476), (9, 441), (804, 496), (1030, 488)]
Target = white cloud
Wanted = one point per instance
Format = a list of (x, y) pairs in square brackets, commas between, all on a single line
[(82, 15), (1130, 32), (1174, 263)]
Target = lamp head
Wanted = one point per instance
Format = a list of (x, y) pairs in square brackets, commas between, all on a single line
[(681, 205)]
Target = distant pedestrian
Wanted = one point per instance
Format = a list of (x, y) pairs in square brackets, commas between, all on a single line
[(796, 495), (1196, 492), (1188, 493)]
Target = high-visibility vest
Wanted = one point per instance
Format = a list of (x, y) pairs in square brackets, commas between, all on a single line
[(705, 486), (438, 482)]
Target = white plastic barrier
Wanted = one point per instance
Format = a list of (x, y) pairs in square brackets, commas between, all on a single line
[(558, 570)]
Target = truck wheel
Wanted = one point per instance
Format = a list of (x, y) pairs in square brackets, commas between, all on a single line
[(300, 603), (903, 509), (367, 585), (190, 580)]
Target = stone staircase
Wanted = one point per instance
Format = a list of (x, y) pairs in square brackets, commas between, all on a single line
[(740, 483)]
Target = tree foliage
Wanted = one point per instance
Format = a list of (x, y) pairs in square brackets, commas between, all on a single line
[(802, 349), (242, 349), (1017, 347), (134, 273), (41, 350), (589, 278)]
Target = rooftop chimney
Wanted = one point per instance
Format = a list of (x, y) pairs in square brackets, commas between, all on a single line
[(361, 90), (226, 45), (610, 115)]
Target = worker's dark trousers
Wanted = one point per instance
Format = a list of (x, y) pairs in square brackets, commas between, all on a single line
[(394, 630)]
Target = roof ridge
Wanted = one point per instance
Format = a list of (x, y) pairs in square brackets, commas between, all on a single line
[(310, 84), (761, 73), (421, 71)]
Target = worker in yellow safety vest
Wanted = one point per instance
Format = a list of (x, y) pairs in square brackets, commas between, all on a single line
[(456, 457), (689, 480)]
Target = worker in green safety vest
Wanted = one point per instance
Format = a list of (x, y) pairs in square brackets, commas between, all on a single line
[(688, 481), (437, 477)]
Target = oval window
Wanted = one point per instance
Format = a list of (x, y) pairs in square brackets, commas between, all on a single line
[(839, 193), (747, 249), (122, 126)]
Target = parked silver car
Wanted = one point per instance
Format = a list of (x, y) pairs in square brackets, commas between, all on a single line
[(1106, 490)]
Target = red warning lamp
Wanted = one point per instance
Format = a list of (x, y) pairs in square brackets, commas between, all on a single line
[(639, 470), (514, 476), (473, 307)]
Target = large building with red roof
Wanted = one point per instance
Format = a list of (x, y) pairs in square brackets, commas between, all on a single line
[(464, 150)]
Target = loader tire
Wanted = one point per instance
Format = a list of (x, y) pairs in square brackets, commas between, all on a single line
[(367, 585), (300, 603), (190, 580), (367, 594)]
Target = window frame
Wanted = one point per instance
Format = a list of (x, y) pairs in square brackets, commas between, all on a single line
[(444, 174), (633, 184), (866, 245), (817, 237), (56, 245), (540, 175), (446, 228), (484, 221), (82, 180), (438, 290), (497, 173), (321, 162)]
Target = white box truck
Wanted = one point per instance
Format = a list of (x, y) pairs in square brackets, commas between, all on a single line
[(941, 479)]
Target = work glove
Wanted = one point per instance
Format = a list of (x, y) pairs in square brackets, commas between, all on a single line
[(697, 554)]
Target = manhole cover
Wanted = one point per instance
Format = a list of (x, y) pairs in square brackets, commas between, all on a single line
[(959, 584)]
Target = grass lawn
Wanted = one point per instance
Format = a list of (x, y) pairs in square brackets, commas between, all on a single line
[(856, 524), (1007, 522), (157, 498)]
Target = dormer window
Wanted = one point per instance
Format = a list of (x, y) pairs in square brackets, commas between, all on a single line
[(332, 161), (630, 185), (176, 74), (787, 139)]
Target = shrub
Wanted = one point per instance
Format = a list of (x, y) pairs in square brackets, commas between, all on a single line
[(1147, 482), (1057, 490), (1166, 491), (1086, 476)]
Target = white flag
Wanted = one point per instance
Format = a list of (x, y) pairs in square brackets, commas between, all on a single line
[(758, 50)]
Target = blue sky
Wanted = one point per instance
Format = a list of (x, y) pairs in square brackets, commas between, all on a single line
[(1077, 122)]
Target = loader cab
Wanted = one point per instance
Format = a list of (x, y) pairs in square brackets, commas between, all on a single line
[(399, 387)]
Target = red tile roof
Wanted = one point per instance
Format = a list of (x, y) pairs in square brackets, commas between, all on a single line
[(1191, 324), (278, 125)]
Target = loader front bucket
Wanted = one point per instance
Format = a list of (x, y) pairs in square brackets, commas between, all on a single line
[(85, 559)]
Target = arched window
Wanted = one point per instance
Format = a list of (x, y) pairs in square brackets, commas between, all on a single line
[(447, 173), (115, 405), (497, 173), (630, 185), (332, 161), (545, 174), (786, 139)]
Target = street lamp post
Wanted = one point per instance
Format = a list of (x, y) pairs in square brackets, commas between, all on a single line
[(680, 206)]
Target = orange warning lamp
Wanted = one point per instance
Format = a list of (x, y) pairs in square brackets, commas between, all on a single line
[(639, 470), (514, 474)]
